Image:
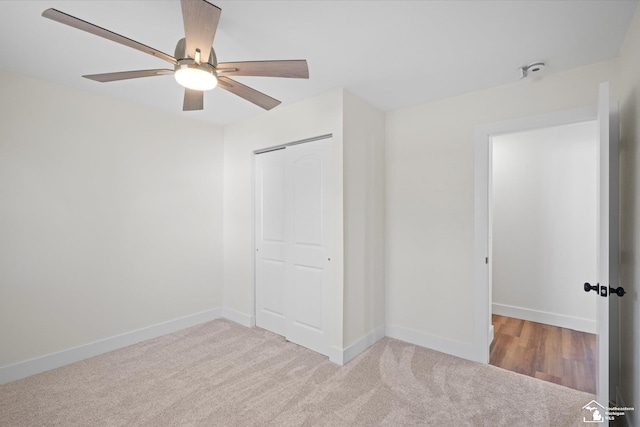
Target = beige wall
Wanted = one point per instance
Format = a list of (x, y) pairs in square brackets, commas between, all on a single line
[(358, 147), (430, 197), (307, 119), (364, 219), (629, 96), (110, 219)]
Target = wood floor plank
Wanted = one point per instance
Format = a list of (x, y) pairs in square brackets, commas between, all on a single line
[(554, 351), (568, 344), (526, 334), (558, 355), (513, 326)]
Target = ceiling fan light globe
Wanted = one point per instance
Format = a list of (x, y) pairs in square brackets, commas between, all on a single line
[(196, 78)]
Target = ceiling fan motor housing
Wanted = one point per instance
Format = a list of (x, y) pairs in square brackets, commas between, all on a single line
[(191, 72), (181, 54)]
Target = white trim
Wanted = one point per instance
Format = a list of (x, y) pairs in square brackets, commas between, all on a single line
[(363, 343), (434, 342), (560, 320), (71, 355), (481, 289), (483, 134), (289, 144), (253, 246), (491, 334), (241, 318), (523, 124), (336, 355)]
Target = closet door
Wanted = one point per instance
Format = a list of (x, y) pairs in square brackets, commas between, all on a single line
[(293, 243), (308, 203), (270, 241)]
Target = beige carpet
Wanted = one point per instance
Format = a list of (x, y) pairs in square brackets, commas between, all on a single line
[(223, 374)]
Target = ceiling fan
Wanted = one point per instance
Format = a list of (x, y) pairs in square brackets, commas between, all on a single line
[(195, 63)]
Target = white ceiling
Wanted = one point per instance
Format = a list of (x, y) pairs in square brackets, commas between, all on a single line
[(390, 53)]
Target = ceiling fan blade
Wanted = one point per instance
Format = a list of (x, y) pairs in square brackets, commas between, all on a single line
[(294, 69), (200, 25), (251, 95), (72, 21), (193, 100), (124, 75)]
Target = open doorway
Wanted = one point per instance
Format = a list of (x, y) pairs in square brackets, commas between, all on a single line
[(542, 246)]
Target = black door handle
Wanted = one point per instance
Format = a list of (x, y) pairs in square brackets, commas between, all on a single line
[(588, 287), (603, 291), (618, 291)]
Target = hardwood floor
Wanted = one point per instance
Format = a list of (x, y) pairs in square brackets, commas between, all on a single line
[(558, 355)]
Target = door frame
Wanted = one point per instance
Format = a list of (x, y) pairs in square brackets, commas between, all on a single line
[(483, 331)]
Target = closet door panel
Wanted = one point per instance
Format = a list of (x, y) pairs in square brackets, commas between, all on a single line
[(308, 288), (308, 206), (271, 236), (307, 201)]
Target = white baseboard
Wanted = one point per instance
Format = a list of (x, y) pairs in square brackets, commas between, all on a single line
[(339, 356), (364, 343), (491, 335), (336, 355), (560, 320), (241, 318), (344, 356), (434, 342), (71, 355)]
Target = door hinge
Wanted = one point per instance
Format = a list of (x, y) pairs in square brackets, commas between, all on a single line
[(486, 260)]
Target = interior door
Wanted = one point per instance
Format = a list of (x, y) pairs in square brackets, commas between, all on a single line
[(607, 242), (309, 206), (271, 236)]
